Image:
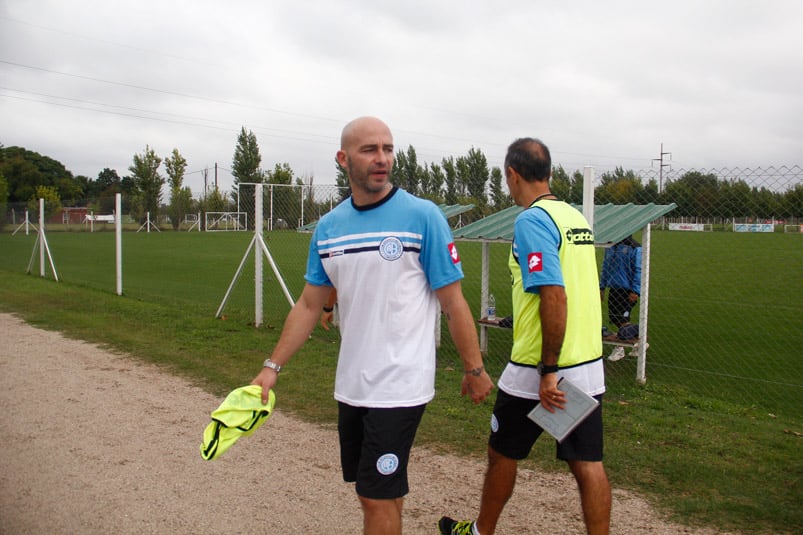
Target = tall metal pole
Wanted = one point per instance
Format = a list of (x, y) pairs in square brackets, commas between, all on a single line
[(660, 159), (118, 241), (257, 256)]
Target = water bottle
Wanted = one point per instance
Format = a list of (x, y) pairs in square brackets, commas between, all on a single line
[(491, 307)]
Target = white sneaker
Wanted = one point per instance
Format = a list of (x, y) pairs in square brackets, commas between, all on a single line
[(617, 354), (634, 351)]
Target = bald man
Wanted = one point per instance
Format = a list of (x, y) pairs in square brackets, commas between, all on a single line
[(392, 259)]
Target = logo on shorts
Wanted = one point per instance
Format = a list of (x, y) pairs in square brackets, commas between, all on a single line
[(387, 464), (391, 248), (494, 424)]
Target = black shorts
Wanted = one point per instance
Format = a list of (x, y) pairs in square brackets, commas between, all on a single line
[(375, 448), (619, 306), (513, 433)]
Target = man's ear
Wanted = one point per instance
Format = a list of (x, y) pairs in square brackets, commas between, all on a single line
[(341, 158)]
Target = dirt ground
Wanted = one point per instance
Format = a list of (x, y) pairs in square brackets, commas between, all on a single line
[(96, 442)]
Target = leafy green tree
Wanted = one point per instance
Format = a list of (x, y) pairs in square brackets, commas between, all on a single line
[(148, 181), (433, 185), (52, 201), (651, 193), (285, 208), (3, 197), (619, 187), (342, 181), (101, 191), (792, 202), (246, 161), (561, 183), (175, 166), (474, 174), (24, 170), (450, 180), (216, 201), (499, 198), (406, 170)]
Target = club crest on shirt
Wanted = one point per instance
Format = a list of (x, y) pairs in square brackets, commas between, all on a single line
[(391, 248), (534, 262)]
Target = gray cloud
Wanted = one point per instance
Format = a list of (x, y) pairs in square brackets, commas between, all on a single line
[(91, 83)]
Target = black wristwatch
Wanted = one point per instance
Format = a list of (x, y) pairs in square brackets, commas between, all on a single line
[(544, 369)]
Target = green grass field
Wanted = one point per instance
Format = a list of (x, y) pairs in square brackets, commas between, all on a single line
[(713, 437)]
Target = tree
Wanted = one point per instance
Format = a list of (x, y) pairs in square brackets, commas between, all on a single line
[(342, 181), (175, 166), (24, 170), (285, 207), (52, 201), (561, 183), (246, 161), (450, 172), (406, 170), (473, 173), (102, 190), (434, 183), (619, 187), (499, 198), (148, 181), (3, 196)]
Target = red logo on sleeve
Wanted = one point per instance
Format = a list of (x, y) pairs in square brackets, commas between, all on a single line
[(453, 253), (534, 262)]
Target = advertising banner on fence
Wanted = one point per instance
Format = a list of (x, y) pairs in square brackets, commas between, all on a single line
[(753, 227), (696, 227)]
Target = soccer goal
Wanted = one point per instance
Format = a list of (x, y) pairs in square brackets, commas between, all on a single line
[(226, 221), (793, 229)]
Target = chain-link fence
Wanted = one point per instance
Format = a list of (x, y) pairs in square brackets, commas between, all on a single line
[(726, 280), (725, 310)]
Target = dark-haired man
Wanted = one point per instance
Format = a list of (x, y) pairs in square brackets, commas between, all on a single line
[(556, 326)]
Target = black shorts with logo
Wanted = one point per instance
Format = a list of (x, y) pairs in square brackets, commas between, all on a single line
[(375, 448), (513, 433)]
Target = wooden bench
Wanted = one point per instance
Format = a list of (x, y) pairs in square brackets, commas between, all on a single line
[(610, 340)]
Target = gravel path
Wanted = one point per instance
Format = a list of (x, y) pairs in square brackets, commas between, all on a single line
[(96, 442)]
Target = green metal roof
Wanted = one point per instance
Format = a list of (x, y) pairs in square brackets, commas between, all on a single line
[(451, 210), (612, 222)]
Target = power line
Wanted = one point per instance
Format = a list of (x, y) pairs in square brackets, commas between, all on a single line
[(166, 92)]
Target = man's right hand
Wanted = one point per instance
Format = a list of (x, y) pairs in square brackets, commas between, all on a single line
[(267, 380), (477, 386)]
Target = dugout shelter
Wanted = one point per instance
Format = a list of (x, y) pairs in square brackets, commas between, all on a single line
[(611, 222)]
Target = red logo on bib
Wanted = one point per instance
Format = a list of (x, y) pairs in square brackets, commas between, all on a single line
[(534, 262)]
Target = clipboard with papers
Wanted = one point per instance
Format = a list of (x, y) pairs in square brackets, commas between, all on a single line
[(562, 422)]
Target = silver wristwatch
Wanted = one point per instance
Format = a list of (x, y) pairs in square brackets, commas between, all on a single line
[(272, 365)]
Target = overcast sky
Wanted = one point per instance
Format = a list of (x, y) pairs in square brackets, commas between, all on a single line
[(603, 83)]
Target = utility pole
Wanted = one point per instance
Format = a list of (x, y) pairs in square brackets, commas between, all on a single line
[(661, 168), (216, 174), (206, 186)]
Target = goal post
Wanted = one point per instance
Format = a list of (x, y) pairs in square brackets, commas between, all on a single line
[(225, 221), (793, 229)]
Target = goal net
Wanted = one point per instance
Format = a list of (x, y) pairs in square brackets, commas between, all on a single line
[(225, 221)]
